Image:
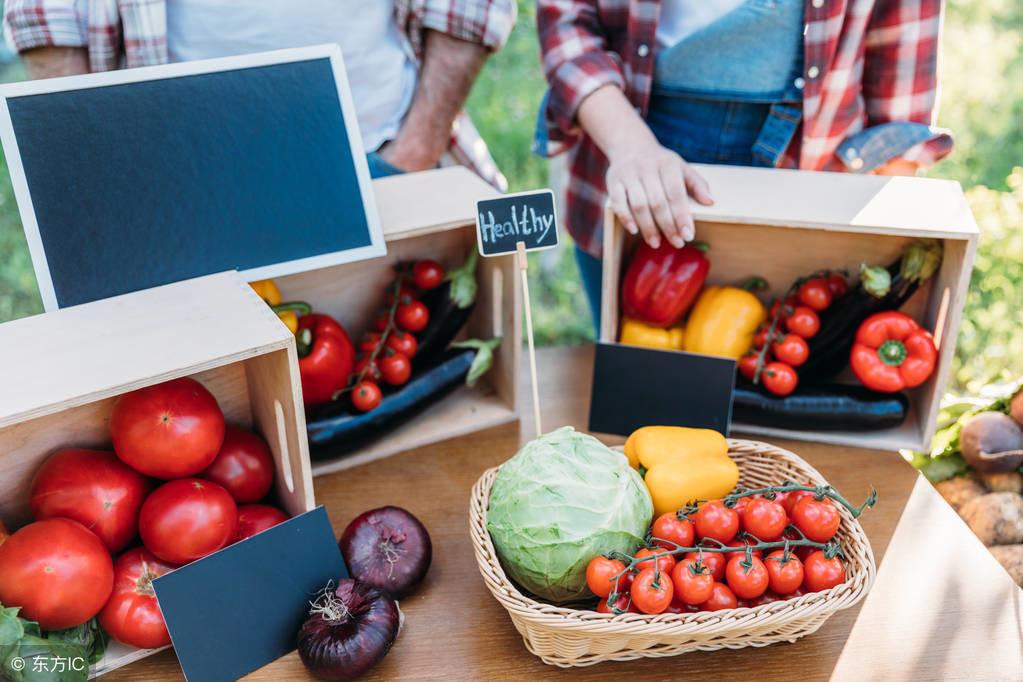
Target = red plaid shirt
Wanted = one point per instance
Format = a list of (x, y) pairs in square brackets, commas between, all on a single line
[(132, 33), (867, 63)]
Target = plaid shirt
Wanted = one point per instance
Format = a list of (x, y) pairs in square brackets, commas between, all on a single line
[(133, 33), (869, 87)]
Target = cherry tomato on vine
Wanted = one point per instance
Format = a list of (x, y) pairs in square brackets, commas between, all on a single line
[(745, 542), (721, 597), (651, 591), (779, 378), (760, 339), (402, 342), (715, 520), (366, 396), (427, 274), (822, 573), (600, 575), (815, 293), (623, 603), (791, 498), (791, 349), (764, 519), (671, 528), (818, 519), (395, 368), (381, 321), (412, 316), (368, 370), (804, 322), (783, 306), (715, 561), (785, 574), (692, 581), (405, 294), (665, 562), (748, 365), (838, 284), (748, 580), (740, 505), (369, 342)]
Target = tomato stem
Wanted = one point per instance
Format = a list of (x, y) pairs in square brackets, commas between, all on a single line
[(820, 492)]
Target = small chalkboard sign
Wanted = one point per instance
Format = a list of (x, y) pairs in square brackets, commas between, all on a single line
[(527, 217)]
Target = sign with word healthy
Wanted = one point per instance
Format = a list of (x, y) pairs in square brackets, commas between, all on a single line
[(527, 217)]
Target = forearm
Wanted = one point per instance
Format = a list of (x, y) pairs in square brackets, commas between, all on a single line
[(450, 67), (54, 61), (612, 123)]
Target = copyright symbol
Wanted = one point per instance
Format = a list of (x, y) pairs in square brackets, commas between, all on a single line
[(17, 663)]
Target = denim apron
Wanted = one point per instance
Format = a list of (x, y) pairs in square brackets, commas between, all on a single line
[(732, 91)]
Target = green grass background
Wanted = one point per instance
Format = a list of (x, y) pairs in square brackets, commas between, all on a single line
[(981, 101)]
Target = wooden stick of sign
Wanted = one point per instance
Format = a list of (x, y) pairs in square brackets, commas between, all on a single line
[(523, 271)]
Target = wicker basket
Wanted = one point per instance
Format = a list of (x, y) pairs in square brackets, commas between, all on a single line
[(571, 637)]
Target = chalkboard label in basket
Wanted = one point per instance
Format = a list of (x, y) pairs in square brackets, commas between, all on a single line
[(527, 217)]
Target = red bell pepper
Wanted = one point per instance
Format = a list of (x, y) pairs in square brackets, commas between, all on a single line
[(326, 357), (892, 352), (662, 284)]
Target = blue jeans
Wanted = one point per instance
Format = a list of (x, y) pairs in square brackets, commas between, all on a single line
[(378, 168)]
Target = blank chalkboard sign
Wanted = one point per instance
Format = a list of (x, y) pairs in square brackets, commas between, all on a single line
[(132, 179), (528, 217)]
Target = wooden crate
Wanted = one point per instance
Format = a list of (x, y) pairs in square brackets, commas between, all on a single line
[(63, 371), (426, 215), (783, 224)]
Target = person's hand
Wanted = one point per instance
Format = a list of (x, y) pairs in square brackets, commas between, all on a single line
[(648, 186), (898, 167), (53, 61)]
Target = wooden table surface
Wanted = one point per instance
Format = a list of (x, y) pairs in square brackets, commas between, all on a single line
[(941, 608)]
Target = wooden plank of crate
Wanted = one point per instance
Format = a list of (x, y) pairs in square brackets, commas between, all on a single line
[(86, 353), (414, 204)]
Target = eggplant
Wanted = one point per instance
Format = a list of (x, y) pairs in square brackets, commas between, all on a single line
[(447, 318), (824, 407), (830, 347), (333, 434)]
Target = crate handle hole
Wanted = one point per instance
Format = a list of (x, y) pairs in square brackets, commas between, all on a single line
[(282, 444), (498, 304)]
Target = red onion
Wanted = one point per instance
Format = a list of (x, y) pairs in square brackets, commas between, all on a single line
[(388, 548), (348, 631)]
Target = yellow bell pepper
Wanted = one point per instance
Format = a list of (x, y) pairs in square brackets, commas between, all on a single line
[(682, 465), (724, 321), (636, 333), (267, 290)]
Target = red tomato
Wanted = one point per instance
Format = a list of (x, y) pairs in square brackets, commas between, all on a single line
[(792, 497), (779, 378), (623, 603), (369, 342), (720, 598), (822, 573), (57, 571), (402, 342), (740, 506), (693, 582), (395, 368), (715, 561), (244, 466), (748, 365), (381, 321), (764, 519), (760, 339), (601, 574), (427, 274), (665, 562), (766, 598), (132, 614), (745, 542), (783, 308), (651, 591), (255, 518), (791, 349), (818, 519), (405, 294), (804, 322), (187, 519), (412, 316), (838, 284), (785, 573), (747, 581), (368, 370), (671, 528), (94, 488), (366, 396), (715, 520), (815, 293), (170, 430)]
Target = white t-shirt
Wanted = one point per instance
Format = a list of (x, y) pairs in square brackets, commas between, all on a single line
[(681, 18), (380, 71)]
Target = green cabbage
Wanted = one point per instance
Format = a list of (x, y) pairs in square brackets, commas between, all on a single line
[(560, 501)]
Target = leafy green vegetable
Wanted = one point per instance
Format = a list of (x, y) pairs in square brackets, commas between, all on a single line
[(561, 500), (28, 654), (484, 359)]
